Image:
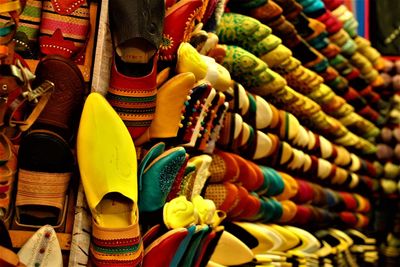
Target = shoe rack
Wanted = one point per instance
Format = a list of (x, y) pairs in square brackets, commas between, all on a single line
[(20, 235)]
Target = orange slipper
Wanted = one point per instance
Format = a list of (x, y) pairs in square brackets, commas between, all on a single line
[(223, 168), (225, 196)]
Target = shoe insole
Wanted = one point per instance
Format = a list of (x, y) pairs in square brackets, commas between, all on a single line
[(133, 69), (39, 215), (136, 50), (115, 211)]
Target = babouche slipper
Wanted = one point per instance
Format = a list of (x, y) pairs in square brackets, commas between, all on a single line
[(48, 253), (108, 168)]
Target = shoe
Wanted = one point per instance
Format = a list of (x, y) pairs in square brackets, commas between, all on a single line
[(27, 34), (155, 254), (251, 71), (135, 44), (48, 253), (186, 12), (113, 202), (132, 93), (171, 98), (290, 187), (253, 235), (179, 212), (289, 211), (158, 176), (309, 243), (194, 115), (189, 258), (223, 167), (252, 32), (56, 18), (291, 240), (202, 164), (229, 244), (50, 138), (224, 195), (208, 246)]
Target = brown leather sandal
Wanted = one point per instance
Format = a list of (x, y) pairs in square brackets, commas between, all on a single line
[(45, 158)]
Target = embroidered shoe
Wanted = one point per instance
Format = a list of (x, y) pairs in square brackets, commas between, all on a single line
[(184, 13), (134, 96), (62, 22), (42, 249), (112, 190)]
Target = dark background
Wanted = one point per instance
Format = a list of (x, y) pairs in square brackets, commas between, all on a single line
[(385, 22)]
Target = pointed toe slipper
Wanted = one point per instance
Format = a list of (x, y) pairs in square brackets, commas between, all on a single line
[(48, 253), (112, 190)]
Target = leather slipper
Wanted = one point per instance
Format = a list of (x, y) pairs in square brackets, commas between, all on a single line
[(112, 190), (47, 254)]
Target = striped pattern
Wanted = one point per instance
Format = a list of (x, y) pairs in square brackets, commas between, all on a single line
[(29, 20), (116, 247), (134, 99), (74, 26), (28, 27), (39, 188)]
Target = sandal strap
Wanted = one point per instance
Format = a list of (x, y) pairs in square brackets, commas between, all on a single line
[(42, 188), (44, 91)]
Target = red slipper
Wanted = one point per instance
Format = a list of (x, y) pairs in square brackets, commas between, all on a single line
[(64, 28), (134, 97), (184, 13)]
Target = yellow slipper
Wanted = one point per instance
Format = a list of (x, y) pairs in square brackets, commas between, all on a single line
[(309, 243), (263, 243), (277, 56), (171, 99), (108, 167), (290, 189), (179, 213), (229, 245), (189, 60), (290, 239)]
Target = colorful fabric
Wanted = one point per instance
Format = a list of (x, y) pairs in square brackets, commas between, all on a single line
[(116, 248), (64, 30), (28, 28), (134, 98)]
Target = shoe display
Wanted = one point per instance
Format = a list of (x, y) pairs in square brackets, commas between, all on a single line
[(197, 133)]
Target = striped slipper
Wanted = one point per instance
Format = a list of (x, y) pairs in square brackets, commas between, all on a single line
[(28, 29), (64, 28)]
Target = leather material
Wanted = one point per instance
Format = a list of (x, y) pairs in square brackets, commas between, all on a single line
[(66, 101), (137, 19), (45, 152)]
